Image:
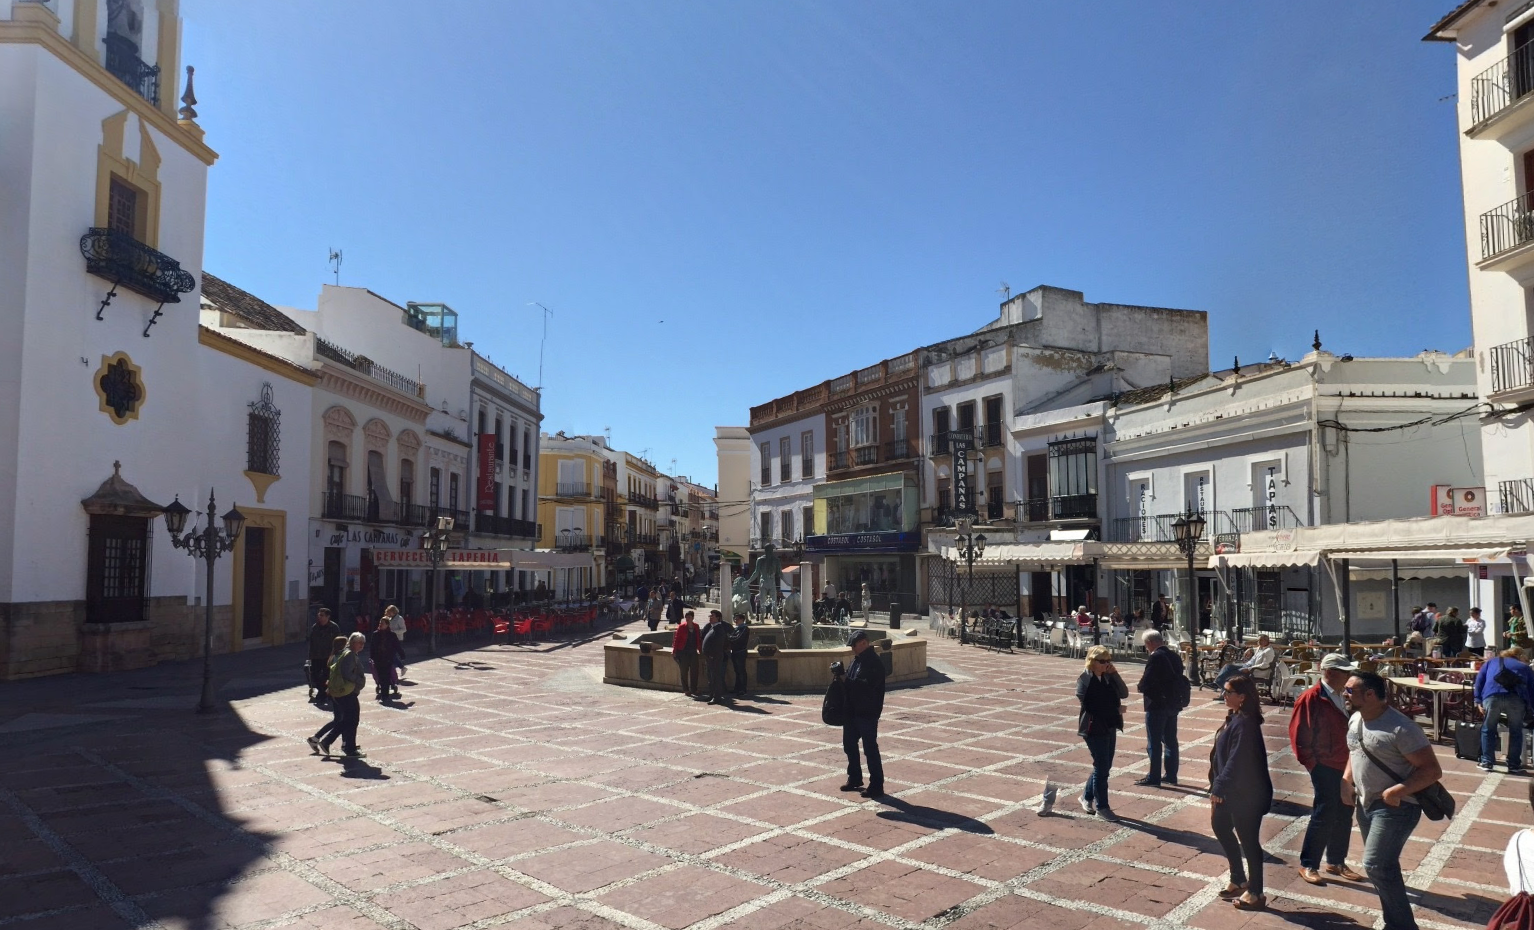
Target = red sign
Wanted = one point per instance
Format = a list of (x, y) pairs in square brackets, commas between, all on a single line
[(486, 496), (452, 559)]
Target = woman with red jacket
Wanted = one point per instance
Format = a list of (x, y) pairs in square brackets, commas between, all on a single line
[(1318, 731), (685, 644)]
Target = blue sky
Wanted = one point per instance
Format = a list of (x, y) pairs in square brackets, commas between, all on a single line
[(726, 202)]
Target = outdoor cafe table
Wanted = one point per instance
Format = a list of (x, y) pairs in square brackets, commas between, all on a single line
[(1437, 689)]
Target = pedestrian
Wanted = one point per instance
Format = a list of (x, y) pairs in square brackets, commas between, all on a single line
[(864, 685), (384, 650), (1475, 632), (348, 669), (1451, 633), (1162, 686), (397, 625), (865, 601), (1504, 685), (674, 610), (1518, 860), (321, 634), (843, 613), (1380, 738), (1101, 693), (685, 643), (326, 734), (716, 643), (1158, 613), (1517, 632), (740, 639), (1318, 733), (1240, 792)]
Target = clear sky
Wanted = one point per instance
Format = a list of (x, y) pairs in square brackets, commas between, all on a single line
[(726, 202)]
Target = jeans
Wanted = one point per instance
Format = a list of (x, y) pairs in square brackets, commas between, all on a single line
[(738, 664), (1496, 705), (348, 715), (1101, 746), (1331, 823), (1385, 831), (1238, 827), (1226, 674), (1161, 743), (867, 730)]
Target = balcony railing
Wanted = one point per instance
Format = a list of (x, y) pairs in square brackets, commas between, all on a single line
[(1033, 510), (865, 455), (1517, 495), (897, 449), (414, 514), (1512, 365), (1255, 519), (1158, 528), (1502, 85), (350, 507), (124, 64), (1073, 507), (492, 525), (640, 500), (572, 489), (1507, 227), (993, 434), (645, 539), (575, 542), (364, 365), (837, 461), (937, 443), (127, 262), (995, 508)]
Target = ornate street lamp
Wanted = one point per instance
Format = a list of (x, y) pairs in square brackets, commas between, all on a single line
[(970, 546), (435, 542), (1187, 530), (206, 544)]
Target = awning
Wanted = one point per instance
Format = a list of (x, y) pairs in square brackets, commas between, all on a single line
[(1434, 540), (1468, 556), (1022, 553)]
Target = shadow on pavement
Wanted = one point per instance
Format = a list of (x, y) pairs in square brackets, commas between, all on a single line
[(905, 812)]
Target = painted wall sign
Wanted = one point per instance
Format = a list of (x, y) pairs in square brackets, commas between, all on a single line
[(486, 559)]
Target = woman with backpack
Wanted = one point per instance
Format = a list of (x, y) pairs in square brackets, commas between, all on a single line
[(1240, 792), (1101, 693)]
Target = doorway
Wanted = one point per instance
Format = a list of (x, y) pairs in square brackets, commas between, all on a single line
[(1042, 585), (253, 619)]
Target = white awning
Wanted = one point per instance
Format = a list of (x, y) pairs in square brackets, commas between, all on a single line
[(1022, 553), (1434, 540)]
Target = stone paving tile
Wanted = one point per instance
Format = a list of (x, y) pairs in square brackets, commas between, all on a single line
[(695, 833), (584, 868), (263, 897), (681, 898), (459, 900), (905, 891), (513, 838), (789, 859)]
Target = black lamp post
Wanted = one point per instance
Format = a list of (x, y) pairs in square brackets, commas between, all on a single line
[(970, 546), (435, 542), (1188, 529), (207, 544)]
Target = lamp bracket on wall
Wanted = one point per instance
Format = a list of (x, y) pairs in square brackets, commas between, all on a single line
[(155, 318), (107, 300)]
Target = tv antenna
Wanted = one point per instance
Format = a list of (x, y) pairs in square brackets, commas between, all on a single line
[(546, 314), (1005, 291), (335, 264)]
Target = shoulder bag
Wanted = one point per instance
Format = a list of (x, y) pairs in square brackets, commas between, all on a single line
[(1436, 801)]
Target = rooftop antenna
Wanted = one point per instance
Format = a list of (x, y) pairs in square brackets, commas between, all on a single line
[(335, 264), (1005, 291), (546, 314), (607, 433)]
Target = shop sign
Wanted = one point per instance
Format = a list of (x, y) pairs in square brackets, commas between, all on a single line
[(489, 559), (1458, 502), (374, 538), (485, 499), (902, 542)]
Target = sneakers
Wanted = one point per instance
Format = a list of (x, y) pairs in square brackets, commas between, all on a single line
[(1483, 765), (1104, 813), (1517, 770), (356, 754), (314, 745), (849, 786), (1147, 783), (1086, 805), (325, 750)]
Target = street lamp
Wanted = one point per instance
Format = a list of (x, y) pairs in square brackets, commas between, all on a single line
[(206, 544), (435, 542), (1188, 529), (970, 546)]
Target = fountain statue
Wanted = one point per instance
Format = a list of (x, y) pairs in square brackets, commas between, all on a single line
[(769, 574)]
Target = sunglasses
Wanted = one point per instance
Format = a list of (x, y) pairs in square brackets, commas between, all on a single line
[(1102, 661), (1231, 691)]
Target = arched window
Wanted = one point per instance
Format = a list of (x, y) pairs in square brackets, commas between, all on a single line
[(262, 434)]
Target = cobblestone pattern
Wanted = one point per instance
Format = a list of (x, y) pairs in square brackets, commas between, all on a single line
[(512, 789)]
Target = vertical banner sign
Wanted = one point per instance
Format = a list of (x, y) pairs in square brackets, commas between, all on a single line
[(1270, 494), (486, 495), (963, 502)]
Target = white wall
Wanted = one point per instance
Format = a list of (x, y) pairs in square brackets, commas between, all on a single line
[(795, 494)]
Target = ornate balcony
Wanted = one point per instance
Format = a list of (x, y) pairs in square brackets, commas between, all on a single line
[(641, 500), (1498, 89), (575, 542), (127, 262), (125, 65)]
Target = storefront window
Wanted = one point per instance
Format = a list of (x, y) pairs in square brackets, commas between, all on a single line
[(880, 504)]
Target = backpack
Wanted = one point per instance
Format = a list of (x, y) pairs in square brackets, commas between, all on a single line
[(833, 709), (1510, 680), (1183, 692), (339, 685)]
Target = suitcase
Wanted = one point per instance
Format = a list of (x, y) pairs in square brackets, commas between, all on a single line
[(1467, 740)]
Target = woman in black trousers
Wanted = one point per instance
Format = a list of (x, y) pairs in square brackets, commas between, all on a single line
[(1240, 793), (1102, 694)]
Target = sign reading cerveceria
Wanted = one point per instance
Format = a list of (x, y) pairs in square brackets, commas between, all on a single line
[(493, 559)]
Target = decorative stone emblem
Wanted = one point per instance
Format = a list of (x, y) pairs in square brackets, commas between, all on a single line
[(119, 388)]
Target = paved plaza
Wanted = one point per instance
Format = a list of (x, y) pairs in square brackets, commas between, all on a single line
[(511, 788)]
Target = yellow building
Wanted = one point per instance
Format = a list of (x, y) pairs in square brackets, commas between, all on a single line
[(571, 509)]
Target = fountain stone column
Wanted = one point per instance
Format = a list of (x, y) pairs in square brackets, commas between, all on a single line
[(806, 607)]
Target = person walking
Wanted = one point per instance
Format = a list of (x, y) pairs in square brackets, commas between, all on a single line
[(1158, 614), (685, 644), (326, 734), (1318, 733), (864, 686), (740, 638), (321, 635), (349, 665), (1101, 694), (716, 644), (1451, 633), (397, 625), (384, 650), (1240, 792), (674, 610), (1162, 686), (1382, 741), (1504, 685), (1475, 632)]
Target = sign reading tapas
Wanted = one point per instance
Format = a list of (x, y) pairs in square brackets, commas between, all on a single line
[(487, 559)]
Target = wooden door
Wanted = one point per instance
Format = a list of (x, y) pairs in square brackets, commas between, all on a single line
[(254, 618)]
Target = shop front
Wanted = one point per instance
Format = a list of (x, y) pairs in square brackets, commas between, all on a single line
[(871, 539), (345, 577)]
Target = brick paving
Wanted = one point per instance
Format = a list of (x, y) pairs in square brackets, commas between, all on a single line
[(512, 789)]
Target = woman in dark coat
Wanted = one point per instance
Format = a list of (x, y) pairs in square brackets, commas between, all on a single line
[(1240, 792), (1102, 694), (385, 650)]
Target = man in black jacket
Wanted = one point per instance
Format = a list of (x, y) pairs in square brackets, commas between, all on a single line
[(740, 637), (716, 642), (1161, 684), (864, 684), (674, 610), (321, 635)]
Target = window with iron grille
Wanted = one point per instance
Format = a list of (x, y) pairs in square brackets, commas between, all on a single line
[(785, 459), (262, 434), (434, 488), (766, 450), (122, 208), (117, 569), (807, 454)]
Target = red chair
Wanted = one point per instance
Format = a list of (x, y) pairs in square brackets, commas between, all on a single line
[(522, 627), (502, 628)]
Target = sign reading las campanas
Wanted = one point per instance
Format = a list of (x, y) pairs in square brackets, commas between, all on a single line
[(488, 559)]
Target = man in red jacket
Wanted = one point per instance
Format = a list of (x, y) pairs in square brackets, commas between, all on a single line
[(1318, 731)]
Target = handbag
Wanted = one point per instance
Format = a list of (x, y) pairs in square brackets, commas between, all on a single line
[(1435, 800)]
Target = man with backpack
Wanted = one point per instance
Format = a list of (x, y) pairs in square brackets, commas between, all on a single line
[(864, 697), (1503, 686), (1318, 732), (1166, 691)]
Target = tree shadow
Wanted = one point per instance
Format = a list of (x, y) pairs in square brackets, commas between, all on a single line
[(905, 812)]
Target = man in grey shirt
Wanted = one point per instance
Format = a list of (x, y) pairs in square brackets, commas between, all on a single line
[(1385, 808)]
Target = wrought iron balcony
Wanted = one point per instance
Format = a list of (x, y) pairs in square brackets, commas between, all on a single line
[(414, 515), (1502, 85), (865, 455), (641, 500), (124, 64), (897, 449), (645, 539), (1158, 528), (937, 443), (993, 434), (572, 489), (1517, 495), (995, 508), (350, 507), (127, 262), (1033, 510), (492, 525), (1073, 507), (366, 366), (837, 461), (1507, 227), (1512, 365), (1256, 519), (575, 542)]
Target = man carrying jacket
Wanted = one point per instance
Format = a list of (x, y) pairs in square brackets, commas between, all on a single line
[(864, 686), (1161, 685), (1504, 686), (1318, 731), (321, 635), (716, 643)]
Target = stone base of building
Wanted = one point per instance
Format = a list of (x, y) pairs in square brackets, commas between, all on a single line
[(51, 637)]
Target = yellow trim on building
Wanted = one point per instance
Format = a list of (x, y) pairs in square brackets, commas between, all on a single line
[(142, 175), (107, 361), (275, 522)]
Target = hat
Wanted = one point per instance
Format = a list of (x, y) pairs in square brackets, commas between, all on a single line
[(855, 637), (1337, 660)]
